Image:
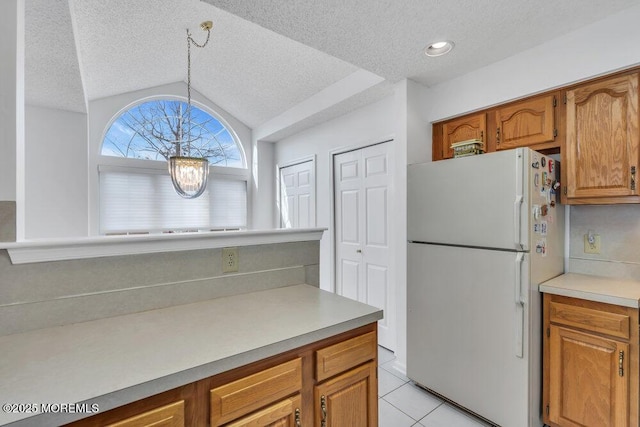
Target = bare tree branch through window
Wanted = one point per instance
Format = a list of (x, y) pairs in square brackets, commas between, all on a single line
[(159, 129)]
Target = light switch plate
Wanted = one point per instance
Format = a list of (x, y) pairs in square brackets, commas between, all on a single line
[(592, 248), (229, 260)]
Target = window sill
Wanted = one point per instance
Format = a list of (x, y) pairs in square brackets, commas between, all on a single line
[(27, 252)]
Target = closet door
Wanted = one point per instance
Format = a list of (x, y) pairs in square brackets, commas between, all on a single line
[(362, 185), (298, 195)]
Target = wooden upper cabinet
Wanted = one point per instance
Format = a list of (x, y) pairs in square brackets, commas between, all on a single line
[(526, 123), (601, 153), (462, 129)]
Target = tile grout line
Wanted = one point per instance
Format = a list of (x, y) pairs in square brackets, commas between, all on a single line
[(422, 418)]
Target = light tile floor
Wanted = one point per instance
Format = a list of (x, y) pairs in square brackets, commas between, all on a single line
[(403, 404)]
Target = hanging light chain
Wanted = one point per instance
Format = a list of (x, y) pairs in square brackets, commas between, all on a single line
[(205, 26)]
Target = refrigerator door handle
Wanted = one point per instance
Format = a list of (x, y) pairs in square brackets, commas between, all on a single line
[(517, 213), (519, 300)]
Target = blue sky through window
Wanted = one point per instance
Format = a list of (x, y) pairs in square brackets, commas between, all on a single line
[(155, 129)]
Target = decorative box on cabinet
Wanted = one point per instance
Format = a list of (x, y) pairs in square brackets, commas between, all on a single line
[(590, 363), (600, 157), (457, 130)]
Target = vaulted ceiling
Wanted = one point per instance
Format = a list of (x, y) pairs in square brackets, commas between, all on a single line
[(268, 56)]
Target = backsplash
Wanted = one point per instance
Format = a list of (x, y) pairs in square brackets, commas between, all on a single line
[(33, 296), (619, 230)]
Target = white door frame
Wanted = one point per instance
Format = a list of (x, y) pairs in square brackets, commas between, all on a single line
[(392, 201), (294, 162)]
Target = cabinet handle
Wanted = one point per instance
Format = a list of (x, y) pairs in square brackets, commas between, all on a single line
[(621, 363), (498, 135), (297, 416), (323, 408), (633, 178)]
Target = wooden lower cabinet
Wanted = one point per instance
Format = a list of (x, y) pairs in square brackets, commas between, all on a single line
[(590, 363), (349, 399), (281, 391), (166, 416), (285, 413), (249, 393)]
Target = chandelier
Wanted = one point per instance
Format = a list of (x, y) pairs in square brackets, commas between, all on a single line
[(189, 174)]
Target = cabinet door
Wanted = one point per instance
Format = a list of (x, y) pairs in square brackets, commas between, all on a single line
[(601, 153), (588, 380), (166, 416), (463, 129), (285, 413), (526, 123), (349, 399)]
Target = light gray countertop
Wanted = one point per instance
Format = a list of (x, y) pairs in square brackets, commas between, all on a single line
[(113, 361), (593, 288)]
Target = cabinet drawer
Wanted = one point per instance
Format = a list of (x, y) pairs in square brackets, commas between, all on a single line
[(339, 357), (240, 397), (167, 416), (603, 322)]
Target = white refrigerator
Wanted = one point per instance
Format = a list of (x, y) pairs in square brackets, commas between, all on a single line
[(484, 231)]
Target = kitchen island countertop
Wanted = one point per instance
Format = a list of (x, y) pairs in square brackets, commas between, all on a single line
[(114, 361), (608, 290)]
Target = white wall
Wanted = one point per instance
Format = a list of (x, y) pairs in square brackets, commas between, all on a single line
[(263, 194), (366, 126), (56, 173), (381, 121), (602, 47), (10, 54), (103, 111), (12, 24)]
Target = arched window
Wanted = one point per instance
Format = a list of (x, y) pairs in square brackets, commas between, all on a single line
[(136, 194)]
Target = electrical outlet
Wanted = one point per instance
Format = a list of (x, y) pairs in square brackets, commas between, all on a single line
[(229, 260), (591, 243)]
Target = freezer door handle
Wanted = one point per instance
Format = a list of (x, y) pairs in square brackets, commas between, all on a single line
[(517, 214), (519, 300)]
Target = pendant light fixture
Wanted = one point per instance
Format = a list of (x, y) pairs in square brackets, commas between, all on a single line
[(189, 174)]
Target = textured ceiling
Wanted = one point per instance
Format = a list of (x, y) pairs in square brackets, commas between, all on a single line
[(388, 37), (267, 56), (52, 76)]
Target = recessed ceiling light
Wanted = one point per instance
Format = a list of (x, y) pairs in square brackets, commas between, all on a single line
[(438, 48)]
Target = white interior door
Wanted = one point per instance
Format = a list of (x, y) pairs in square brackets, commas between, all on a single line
[(362, 184), (297, 196)]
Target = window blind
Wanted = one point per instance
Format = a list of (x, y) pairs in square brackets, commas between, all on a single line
[(144, 200)]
